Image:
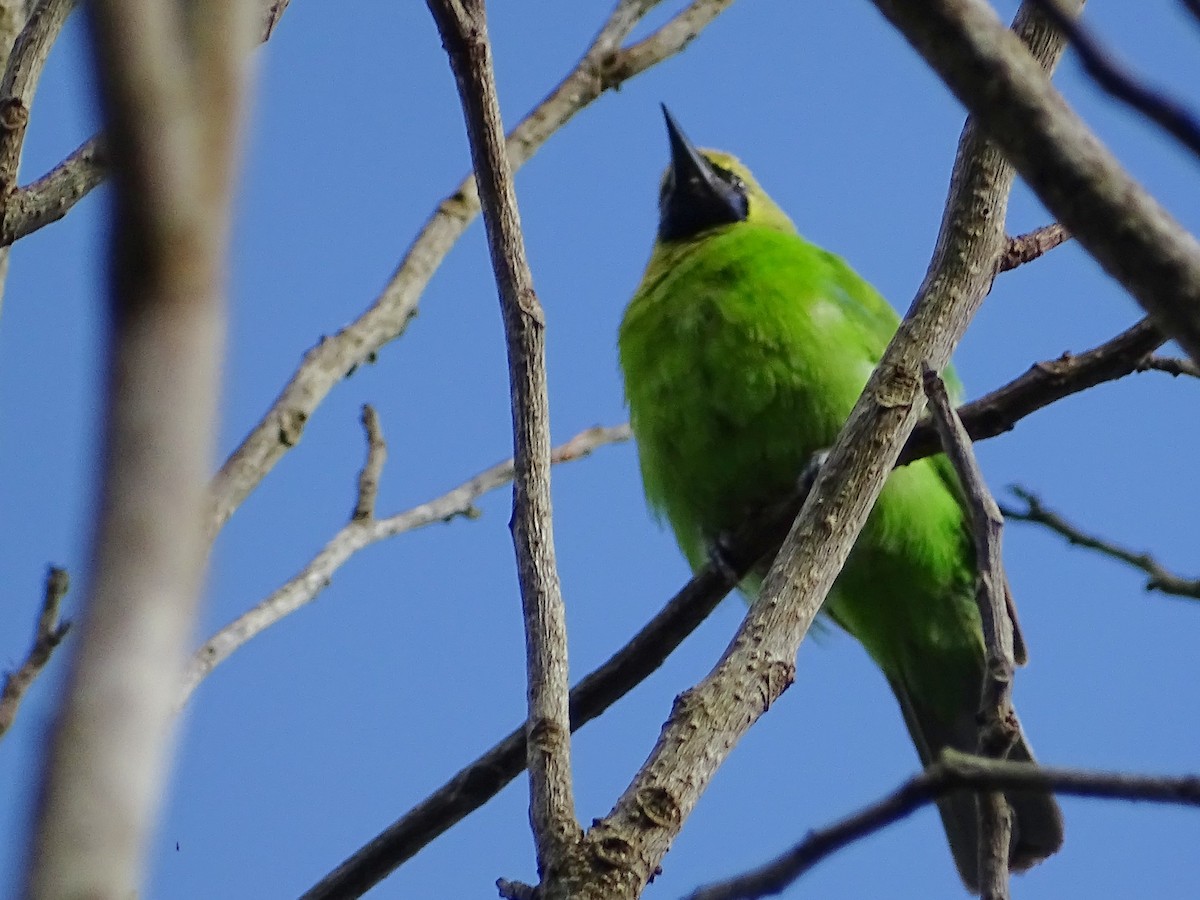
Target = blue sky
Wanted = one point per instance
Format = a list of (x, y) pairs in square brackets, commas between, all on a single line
[(324, 730)]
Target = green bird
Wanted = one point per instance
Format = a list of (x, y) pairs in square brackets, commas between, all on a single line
[(743, 351)]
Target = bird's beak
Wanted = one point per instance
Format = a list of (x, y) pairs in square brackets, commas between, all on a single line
[(696, 198), (687, 165)]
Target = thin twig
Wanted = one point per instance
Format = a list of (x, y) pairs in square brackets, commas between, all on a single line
[(1167, 112), (1080, 182), (604, 66), (368, 478), (272, 12), (1029, 246), (309, 582), (20, 80), (24, 53), (515, 890), (1044, 383), (14, 16), (1160, 579), (54, 194), (998, 727), (48, 634), (674, 35), (1172, 365), (952, 772), (463, 28)]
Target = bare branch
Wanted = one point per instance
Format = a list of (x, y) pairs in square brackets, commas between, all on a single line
[(1160, 578), (516, 890), (29, 31), (368, 478), (109, 750), (1168, 113), (953, 772), (998, 727), (668, 40), (13, 16), (1028, 247), (1045, 383), (604, 66), (48, 634), (54, 194), (463, 27), (1083, 185), (1170, 364), (21, 76), (309, 582), (272, 12)]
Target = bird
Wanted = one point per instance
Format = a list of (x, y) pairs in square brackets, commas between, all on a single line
[(743, 351)]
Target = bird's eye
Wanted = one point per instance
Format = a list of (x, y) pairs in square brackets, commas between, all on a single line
[(731, 178)]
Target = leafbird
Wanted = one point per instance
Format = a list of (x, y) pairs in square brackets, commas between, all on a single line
[(743, 351)]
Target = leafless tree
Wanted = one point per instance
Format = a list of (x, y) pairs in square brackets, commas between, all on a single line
[(172, 82)]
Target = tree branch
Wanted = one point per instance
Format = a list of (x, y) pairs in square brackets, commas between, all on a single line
[(52, 196), (952, 772), (368, 478), (1044, 383), (1082, 184), (1165, 111), (309, 582), (21, 77), (674, 35), (13, 16), (1160, 578), (463, 28), (28, 34), (272, 12), (1027, 247), (998, 727), (1169, 364), (108, 752), (48, 634), (515, 890), (604, 66)]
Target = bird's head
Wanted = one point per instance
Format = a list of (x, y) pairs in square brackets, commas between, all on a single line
[(706, 189)]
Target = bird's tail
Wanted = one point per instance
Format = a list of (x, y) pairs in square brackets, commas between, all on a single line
[(1037, 820)]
